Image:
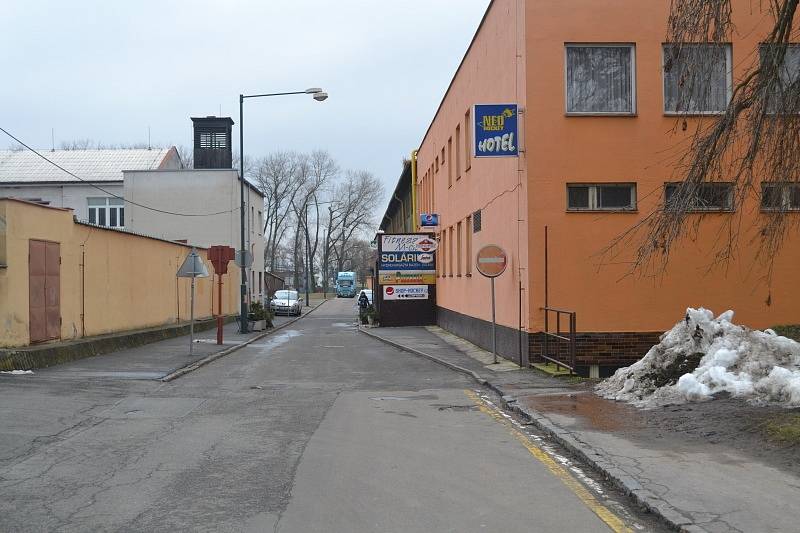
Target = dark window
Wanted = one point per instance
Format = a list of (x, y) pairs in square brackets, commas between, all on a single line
[(93, 216), (780, 196), (601, 197), (705, 197), (113, 215), (600, 79), (578, 197), (696, 78), (122, 216), (476, 221), (783, 93), (614, 197), (102, 220)]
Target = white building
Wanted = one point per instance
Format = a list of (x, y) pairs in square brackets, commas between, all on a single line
[(150, 192), (171, 195), (25, 175)]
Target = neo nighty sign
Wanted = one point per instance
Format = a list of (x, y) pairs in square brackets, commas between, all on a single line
[(496, 130)]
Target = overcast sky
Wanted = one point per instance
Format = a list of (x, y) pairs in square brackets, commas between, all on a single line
[(106, 70)]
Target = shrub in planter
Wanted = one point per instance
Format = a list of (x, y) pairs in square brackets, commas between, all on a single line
[(260, 315), (372, 315)]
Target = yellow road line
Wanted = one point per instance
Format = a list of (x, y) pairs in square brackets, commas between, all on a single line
[(588, 499)]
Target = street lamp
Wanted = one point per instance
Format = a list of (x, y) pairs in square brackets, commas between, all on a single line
[(319, 95)]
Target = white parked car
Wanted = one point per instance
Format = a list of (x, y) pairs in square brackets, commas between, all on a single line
[(286, 302)]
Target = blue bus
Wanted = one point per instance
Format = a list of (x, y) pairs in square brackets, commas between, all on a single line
[(346, 284)]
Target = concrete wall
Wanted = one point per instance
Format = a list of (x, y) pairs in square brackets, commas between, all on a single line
[(128, 282), (197, 191), (69, 195), (493, 71), (643, 149)]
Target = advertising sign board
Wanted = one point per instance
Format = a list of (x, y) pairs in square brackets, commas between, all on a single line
[(405, 292), (429, 220), (407, 260), (495, 127)]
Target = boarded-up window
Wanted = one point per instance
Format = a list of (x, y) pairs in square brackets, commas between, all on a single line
[(696, 78), (600, 79)]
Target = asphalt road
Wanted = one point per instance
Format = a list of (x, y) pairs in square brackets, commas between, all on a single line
[(317, 428)]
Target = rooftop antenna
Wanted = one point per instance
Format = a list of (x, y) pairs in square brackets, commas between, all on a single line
[(148, 138), (220, 110), (52, 139)]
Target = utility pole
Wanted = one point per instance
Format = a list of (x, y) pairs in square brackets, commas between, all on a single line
[(308, 256)]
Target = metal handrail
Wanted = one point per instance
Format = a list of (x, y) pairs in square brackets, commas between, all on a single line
[(572, 352)]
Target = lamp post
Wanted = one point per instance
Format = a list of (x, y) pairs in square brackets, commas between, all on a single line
[(319, 95)]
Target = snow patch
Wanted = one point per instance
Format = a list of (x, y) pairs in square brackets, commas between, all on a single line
[(703, 356), (16, 372)]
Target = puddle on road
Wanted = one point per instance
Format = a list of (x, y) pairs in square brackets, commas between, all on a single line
[(342, 325), (402, 398), (592, 411), (276, 340)]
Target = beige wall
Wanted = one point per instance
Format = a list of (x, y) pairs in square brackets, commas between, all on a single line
[(129, 280), (491, 72)]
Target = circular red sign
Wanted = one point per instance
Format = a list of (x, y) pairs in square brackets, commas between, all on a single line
[(491, 261), (389, 290)]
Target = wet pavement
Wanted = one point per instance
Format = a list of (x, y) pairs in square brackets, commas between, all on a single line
[(693, 484)]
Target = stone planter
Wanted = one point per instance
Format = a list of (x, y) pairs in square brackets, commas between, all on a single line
[(259, 325)]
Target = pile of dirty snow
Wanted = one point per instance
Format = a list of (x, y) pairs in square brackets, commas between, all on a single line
[(702, 356)]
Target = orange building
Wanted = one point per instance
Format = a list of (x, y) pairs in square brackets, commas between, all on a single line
[(596, 138)]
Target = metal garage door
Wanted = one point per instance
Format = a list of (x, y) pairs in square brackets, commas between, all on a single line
[(44, 288)]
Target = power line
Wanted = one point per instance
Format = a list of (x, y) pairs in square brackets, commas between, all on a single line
[(111, 193)]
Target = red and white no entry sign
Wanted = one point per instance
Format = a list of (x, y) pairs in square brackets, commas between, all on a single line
[(491, 261)]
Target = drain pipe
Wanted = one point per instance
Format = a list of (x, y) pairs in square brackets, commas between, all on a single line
[(83, 290)]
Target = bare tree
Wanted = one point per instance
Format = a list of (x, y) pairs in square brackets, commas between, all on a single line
[(78, 144), (186, 153), (278, 176), (355, 200), (753, 144)]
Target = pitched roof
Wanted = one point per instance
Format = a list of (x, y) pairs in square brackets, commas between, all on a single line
[(24, 166)]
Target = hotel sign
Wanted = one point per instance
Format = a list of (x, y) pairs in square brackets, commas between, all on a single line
[(496, 128)]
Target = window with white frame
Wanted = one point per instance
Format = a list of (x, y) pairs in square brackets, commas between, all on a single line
[(601, 196), (697, 78), (109, 212), (717, 196), (783, 97), (601, 79), (780, 196)]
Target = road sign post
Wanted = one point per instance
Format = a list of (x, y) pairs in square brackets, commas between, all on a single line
[(192, 267), (219, 257), (491, 261)]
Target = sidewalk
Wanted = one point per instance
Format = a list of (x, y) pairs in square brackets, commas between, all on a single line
[(165, 360), (694, 484)]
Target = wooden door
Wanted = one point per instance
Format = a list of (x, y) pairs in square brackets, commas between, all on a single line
[(44, 290)]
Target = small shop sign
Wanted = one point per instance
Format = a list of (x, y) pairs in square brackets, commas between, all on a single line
[(405, 292), (429, 220), (407, 260)]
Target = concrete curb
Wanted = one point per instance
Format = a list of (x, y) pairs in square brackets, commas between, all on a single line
[(191, 367), (593, 457)]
